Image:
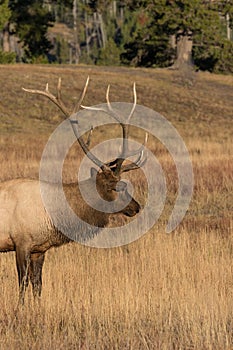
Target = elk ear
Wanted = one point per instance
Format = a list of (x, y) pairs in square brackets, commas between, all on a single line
[(93, 172), (121, 186)]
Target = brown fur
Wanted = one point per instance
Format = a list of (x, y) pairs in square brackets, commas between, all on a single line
[(27, 229)]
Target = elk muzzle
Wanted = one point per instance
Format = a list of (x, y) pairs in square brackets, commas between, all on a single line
[(132, 208)]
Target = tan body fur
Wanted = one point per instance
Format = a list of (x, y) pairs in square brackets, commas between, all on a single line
[(26, 227)]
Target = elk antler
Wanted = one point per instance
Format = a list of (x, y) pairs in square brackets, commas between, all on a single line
[(57, 100), (116, 165)]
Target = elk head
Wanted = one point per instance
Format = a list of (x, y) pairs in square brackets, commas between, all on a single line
[(108, 177)]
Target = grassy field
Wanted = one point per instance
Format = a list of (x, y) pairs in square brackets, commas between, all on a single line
[(164, 291)]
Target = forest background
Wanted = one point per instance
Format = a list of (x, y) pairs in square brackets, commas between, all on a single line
[(148, 33)]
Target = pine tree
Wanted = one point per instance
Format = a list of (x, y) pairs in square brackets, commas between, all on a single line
[(4, 13), (5, 55), (31, 22), (177, 33)]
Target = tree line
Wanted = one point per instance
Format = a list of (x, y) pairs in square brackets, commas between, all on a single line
[(147, 33)]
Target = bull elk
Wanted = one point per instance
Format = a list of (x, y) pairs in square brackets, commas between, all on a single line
[(25, 225)]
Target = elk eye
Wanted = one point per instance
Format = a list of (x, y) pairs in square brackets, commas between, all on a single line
[(121, 186)]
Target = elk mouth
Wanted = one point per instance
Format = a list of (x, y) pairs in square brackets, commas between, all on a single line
[(131, 212)]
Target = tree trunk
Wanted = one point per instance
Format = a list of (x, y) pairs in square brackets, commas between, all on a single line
[(87, 34), (102, 30), (184, 45), (6, 38), (228, 26), (76, 43)]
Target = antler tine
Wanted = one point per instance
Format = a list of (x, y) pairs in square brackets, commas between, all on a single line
[(130, 154), (56, 100), (110, 109), (135, 165), (79, 103), (116, 165), (134, 103), (125, 131)]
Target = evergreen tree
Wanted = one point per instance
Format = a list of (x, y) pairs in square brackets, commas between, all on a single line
[(5, 55), (148, 44), (4, 13), (31, 22), (178, 31), (110, 55), (226, 8)]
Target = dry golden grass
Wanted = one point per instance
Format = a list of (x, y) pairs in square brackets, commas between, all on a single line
[(164, 291)]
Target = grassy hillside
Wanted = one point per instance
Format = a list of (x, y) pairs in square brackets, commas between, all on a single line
[(163, 291), (192, 103)]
